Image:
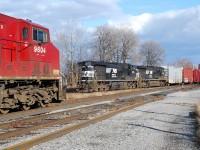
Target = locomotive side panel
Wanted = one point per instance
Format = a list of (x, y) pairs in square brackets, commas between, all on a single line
[(100, 72), (8, 26), (21, 49), (151, 72), (151, 76)]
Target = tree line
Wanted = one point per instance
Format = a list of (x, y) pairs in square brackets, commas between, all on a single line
[(106, 43)]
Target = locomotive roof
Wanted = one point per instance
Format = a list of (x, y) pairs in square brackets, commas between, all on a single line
[(101, 63), (144, 67), (27, 21), (34, 24), (3, 15)]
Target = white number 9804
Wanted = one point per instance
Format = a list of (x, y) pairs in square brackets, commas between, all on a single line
[(39, 49)]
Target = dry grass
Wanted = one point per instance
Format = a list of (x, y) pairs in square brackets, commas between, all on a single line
[(198, 109), (198, 119)]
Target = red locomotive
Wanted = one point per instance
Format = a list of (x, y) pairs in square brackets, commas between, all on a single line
[(29, 65)]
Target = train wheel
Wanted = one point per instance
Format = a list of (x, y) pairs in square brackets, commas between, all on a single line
[(42, 104), (25, 107), (134, 85), (4, 110)]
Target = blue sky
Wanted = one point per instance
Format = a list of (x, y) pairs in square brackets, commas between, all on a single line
[(137, 7), (174, 24)]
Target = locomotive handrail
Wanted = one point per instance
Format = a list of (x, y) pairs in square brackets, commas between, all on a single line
[(14, 41), (17, 42), (64, 79)]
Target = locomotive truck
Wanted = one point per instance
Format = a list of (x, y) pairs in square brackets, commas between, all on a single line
[(29, 65)]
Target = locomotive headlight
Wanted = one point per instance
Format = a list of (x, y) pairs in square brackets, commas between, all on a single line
[(87, 73)]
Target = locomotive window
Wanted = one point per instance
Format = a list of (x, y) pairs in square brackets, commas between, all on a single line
[(45, 37), (24, 33), (40, 35), (83, 68), (87, 68), (90, 68), (34, 34)]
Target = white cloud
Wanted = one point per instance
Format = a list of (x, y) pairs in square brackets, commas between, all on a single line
[(184, 21), (136, 22), (177, 31), (50, 11), (139, 22)]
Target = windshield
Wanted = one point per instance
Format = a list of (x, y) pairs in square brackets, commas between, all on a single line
[(40, 35), (87, 68)]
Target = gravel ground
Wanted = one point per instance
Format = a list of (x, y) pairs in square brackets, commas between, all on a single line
[(167, 124)]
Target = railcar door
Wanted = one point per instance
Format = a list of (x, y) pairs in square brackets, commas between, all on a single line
[(24, 42)]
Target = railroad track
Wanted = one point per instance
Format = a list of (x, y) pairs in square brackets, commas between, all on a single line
[(92, 115), (19, 127)]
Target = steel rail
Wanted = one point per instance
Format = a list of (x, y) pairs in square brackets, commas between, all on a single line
[(26, 130), (26, 121)]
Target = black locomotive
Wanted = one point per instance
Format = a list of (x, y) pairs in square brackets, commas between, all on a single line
[(104, 76)]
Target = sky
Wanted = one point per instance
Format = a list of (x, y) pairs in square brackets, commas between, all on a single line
[(174, 24)]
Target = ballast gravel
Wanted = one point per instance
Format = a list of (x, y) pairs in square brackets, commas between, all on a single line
[(168, 124)]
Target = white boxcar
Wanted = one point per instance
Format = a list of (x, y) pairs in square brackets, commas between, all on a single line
[(173, 74)]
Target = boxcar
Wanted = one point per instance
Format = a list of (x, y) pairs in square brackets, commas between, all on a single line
[(187, 75), (173, 74), (196, 76)]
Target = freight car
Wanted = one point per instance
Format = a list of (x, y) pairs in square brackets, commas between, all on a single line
[(196, 76), (187, 75), (29, 65), (104, 76), (173, 74)]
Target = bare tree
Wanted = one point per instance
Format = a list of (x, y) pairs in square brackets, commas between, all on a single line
[(104, 42), (71, 43), (127, 42), (114, 44), (152, 53), (184, 62)]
